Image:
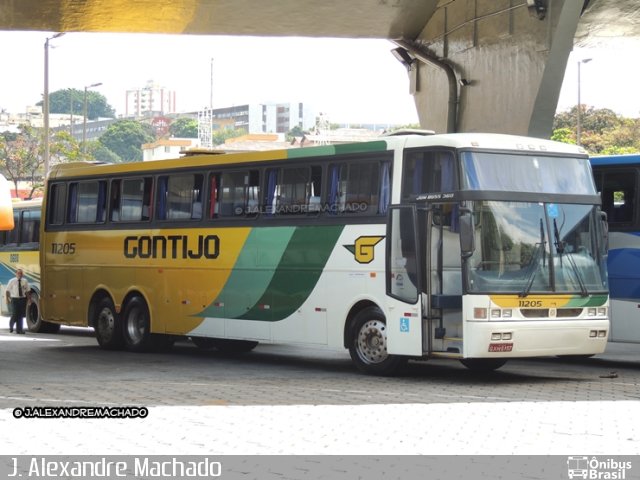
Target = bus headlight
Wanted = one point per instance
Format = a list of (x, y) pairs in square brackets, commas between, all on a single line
[(602, 311), (480, 313), (591, 311), (498, 313)]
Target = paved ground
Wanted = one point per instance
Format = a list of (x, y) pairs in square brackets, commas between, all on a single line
[(286, 400)]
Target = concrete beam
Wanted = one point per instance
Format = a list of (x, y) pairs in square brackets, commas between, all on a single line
[(508, 61)]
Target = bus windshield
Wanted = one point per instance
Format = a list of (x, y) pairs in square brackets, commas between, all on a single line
[(528, 248), (526, 173)]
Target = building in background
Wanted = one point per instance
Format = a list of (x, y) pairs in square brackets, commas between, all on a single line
[(264, 117), (149, 101), (167, 148)]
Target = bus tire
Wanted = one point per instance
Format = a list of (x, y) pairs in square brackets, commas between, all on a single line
[(483, 364), (34, 320), (234, 346), (204, 343), (136, 329), (108, 326), (368, 344)]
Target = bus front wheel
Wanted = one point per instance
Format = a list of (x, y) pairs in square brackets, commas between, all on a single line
[(35, 323), (136, 329), (107, 326), (368, 344)]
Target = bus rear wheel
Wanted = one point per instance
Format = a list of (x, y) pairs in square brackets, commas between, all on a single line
[(136, 329), (483, 364), (34, 321), (107, 326), (368, 344)]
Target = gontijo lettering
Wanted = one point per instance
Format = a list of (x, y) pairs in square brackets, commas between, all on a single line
[(172, 246)]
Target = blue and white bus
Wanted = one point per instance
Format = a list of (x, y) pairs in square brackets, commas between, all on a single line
[(617, 179)]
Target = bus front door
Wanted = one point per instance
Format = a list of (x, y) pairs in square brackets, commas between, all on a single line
[(403, 282)]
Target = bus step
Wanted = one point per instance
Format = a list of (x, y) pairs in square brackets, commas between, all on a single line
[(445, 355)]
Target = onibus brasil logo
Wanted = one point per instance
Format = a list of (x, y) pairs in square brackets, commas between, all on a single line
[(596, 468)]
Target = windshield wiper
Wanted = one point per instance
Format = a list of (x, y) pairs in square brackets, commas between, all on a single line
[(533, 268), (560, 247)]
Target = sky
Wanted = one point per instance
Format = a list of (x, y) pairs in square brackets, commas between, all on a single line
[(351, 81)]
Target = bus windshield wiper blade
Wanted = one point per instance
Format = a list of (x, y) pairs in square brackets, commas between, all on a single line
[(532, 269)]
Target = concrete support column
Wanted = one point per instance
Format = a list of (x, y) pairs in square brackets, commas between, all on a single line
[(508, 57)]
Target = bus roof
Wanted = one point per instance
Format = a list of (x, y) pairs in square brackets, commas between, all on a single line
[(487, 141), (616, 160)]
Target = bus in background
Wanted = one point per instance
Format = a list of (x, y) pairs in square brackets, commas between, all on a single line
[(618, 181), (477, 247), (20, 248)]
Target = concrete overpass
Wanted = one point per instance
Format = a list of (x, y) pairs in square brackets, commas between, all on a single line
[(474, 65)]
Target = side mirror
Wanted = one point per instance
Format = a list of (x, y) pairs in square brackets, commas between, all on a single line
[(605, 232), (467, 237)]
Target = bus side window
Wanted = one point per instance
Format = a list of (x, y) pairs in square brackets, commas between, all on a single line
[(87, 202), (135, 199), (293, 190), (114, 202), (356, 188), (239, 193), (618, 196), (214, 181), (56, 206), (30, 226)]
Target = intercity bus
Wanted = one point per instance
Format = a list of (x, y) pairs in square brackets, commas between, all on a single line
[(617, 179), (20, 248), (477, 247)]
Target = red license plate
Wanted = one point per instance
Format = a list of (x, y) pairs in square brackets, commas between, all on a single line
[(500, 347)]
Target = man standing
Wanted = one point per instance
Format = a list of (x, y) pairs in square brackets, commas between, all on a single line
[(17, 295)]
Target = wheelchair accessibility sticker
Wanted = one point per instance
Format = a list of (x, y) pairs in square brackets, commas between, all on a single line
[(404, 324)]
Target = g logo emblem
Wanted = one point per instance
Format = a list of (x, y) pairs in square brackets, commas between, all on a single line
[(363, 250)]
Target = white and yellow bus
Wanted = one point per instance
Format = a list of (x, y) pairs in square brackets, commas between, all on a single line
[(20, 248), (477, 247)]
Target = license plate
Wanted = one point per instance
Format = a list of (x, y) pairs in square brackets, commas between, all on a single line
[(500, 347)]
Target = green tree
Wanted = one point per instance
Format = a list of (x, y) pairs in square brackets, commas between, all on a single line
[(71, 100), (294, 132), (564, 135), (591, 119), (184, 127), (602, 130), (98, 152), (64, 148), (219, 137), (125, 138), (21, 157)]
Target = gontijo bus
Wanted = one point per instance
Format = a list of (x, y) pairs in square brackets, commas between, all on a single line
[(470, 246), (616, 179)]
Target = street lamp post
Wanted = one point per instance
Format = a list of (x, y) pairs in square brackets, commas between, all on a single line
[(84, 123), (45, 102), (579, 113)]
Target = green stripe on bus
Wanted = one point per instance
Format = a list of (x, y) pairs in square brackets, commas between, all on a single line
[(298, 273), (252, 272), (590, 301), (345, 148), (328, 150)]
